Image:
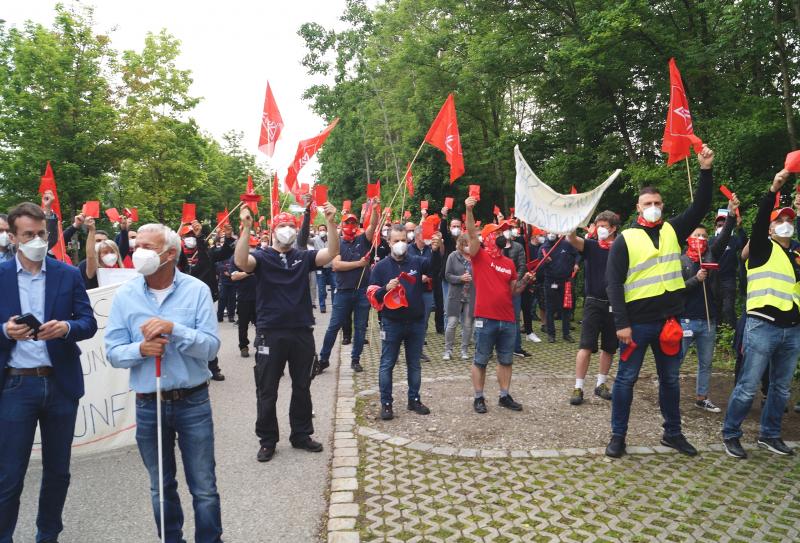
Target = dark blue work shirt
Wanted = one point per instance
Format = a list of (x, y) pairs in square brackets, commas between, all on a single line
[(224, 270), (245, 288), (283, 299), (563, 260), (596, 259), (729, 261), (416, 266), (351, 251)]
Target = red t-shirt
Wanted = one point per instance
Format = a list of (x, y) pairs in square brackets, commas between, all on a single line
[(492, 277)]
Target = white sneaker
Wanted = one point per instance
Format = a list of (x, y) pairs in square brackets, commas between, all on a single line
[(446, 356), (534, 338), (707, 405), (464, 356)]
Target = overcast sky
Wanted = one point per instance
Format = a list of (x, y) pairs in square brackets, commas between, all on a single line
[(232, 49)]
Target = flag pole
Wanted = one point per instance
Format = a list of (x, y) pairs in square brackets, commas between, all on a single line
[(689, 176), (211, 235)]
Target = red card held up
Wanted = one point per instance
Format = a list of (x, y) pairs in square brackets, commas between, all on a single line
[(448, 202), (132, 213), (423, 205), (112, 214), (406, 214), (793, 162), (346, 205), (496, 210), (373, 190), (188, 214), (320, 194), (475, 191), (91, 209), (428, 229)]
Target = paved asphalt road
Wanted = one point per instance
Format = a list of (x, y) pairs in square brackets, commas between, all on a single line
[(282, 500)]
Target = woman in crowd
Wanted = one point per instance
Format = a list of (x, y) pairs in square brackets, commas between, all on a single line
[(460, 298)]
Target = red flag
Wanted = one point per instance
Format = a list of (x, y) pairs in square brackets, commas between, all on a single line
[(303, 188), (443, 134), (792, 162), (448, 202), (48, 182), (729, 195), (188, 214), (678, 132), (573, 190), (271, 124), (496, 210), (250, 197), (305, 150), (409, 180), (91, 209), (777, 199), (406, 214), (374, 190), (275, 195)]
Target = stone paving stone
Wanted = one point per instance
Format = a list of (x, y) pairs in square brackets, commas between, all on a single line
[(345, 451), (398, 441), (344, 443), (341, 523), (493, 453), (520, 454), (636, 449), (574, 452), (341, 497), (420, 446), (468, 453), (544, 453), (348, 483), (446, 451), (345, 461), (339, 473), (343, 510), (343, 537)]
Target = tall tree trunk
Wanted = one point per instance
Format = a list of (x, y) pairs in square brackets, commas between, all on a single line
[(780, 41)]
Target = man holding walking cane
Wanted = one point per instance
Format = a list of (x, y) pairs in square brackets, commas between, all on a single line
[(169, 315)]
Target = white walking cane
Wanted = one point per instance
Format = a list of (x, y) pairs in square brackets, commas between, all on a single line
[(160, 451)]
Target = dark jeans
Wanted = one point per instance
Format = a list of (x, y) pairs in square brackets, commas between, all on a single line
[(325, 279), (527, 308), (393, 335), (274, 348), (725, 298), (554, 303), (25, 401), (191, 422), (227, 300), (438, 302), (347, 302), (669, 390), (517, 301), (247, 316)]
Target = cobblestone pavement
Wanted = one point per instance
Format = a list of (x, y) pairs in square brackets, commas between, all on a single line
[(419, 496)]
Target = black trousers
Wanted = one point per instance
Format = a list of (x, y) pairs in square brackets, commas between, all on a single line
[(527, 307), (226, 301), (725, 299), (274, 348), (438, 305), (247, 315)]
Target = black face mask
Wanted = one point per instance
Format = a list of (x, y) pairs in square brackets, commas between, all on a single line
[(501, 242)]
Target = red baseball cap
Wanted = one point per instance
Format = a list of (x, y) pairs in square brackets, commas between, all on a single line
[(349, 216), (493, 227), (782, 211)]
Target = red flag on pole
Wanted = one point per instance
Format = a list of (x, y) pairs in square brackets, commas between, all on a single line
[(678, 132), (276, 199), (443, 134), (305, 150), (250, 197), (409, 180), (573, 190), (271, 124), (48, 182)]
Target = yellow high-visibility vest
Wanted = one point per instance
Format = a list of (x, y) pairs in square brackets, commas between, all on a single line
[(651, 271), (774, 283)]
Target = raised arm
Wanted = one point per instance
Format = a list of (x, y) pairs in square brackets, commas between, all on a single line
[(576, 241), (241, 255), (373, 220), (472, 230), (91, 252), (329, 253)]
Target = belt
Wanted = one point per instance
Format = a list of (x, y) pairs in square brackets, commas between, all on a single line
[(171, 395), (41, 371)]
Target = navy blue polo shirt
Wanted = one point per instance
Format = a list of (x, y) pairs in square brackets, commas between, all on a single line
[(595, 258), (416, 266), (351, 251), (283, 299), (245, 288)]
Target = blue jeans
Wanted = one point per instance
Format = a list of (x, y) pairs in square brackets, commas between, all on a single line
[(491, 334), (669, 390), (227, 300), (325, 278), (25, 401), (347, 301), (445, 292), (704, 340), (190, 419), (393, 334), (427, 300), (765, 345), (517, 308)]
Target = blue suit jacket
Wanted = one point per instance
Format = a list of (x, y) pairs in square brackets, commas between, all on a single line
[(65, 300)]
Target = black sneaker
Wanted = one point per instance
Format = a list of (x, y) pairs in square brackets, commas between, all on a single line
[(479, 405), (569, 339), (417, 407), (245, 352), (323, 310), (602, 391), (616, 447), (734, 448), (366, 341), (265, 454), (577, 397), (356, 366), (508, 402), (522, 353), (346, 341), (217, 376), (309, 445), (323, 365), (424, 358), (680, 444), (551, 339), (386, 411), (775, 445)]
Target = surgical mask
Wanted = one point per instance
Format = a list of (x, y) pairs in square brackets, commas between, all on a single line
[(286, 235), (385, 232), (35, 249), (515, 232), (132, 243), (602, 233), (147, 261), (507, 234), (783, 230), (109, 259), (410, 236), (455, 232), (264, 244), (540, 239), (551, 237), (4, 239), (190, 243), (399, 249), (652, 214)]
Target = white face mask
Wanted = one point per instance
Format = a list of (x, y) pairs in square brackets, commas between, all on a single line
[(455, 231), (540, 239), (286, 235), (132, 243), (147, 261), (507, 234), (515, 232), (410, 236), (35, 249), (109, 259), (4, 239), (264, 244), (783, 230), (652, 214), (385, 232), (551, 237), (399, 249), (190, 243), (602, 233)]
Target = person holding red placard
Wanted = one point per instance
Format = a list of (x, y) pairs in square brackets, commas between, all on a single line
[(724, 282)]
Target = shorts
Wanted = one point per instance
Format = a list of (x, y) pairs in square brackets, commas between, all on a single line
[(491, 334), (598, 321)]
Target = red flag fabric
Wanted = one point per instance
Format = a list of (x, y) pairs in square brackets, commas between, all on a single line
[(303, 188), (678, 132), (409, 180), (320, 194), (511, 211), (271, 124), (91, 209), (48, 182), (275, 196), (112, 214), (573, 190), (132, 213), (443, 134), (448, 202), (475, 191), (373, 190), (793, 162), (305, 150), (496, 210), (188, 214), (250, 197)]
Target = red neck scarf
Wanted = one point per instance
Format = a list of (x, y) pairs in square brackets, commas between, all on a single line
[(605, 243), (491, 245), (696, 248), (647, 224)]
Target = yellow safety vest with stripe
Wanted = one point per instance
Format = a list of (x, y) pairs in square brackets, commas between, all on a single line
[(774, 283), (651, 271)]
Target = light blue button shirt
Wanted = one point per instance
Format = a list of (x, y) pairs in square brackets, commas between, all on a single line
[(29, 353), (193, 342)]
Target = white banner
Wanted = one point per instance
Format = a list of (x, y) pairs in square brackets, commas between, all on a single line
[(106, 413), (539, 205)]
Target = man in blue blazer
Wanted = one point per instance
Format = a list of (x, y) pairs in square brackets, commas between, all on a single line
[(41, 379)]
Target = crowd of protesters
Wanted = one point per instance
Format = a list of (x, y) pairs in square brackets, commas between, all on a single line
[(660, 283)]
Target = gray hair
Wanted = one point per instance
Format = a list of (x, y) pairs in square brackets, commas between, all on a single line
[(171, 239), (418, 230), (398, 228)]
